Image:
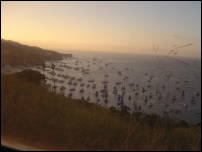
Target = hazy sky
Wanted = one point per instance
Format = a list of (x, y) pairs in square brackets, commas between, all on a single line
[(104, 26)]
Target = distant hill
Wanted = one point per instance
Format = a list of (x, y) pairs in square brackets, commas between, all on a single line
[(14, 54)]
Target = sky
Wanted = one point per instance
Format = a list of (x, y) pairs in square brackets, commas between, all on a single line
[(113, 26)]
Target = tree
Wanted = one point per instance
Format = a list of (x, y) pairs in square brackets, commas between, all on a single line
[(53, 68), (31, 75)]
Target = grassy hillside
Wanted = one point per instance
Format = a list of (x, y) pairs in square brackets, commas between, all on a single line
[(37, 117), (13, 53)]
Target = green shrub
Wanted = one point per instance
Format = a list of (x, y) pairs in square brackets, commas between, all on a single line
[(31, 76)]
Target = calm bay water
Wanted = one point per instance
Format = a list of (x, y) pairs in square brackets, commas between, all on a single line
[(153, 84)]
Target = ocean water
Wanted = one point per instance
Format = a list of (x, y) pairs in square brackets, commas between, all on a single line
[(161, 85)]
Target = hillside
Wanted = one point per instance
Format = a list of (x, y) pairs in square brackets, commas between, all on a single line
[(15, 54), (36, 117)]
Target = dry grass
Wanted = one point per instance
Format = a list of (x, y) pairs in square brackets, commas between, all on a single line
[(36, 117)]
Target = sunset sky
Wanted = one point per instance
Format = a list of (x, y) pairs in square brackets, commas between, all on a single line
[(131, 27)]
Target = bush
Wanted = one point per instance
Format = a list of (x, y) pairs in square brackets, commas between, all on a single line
[(31, 76)]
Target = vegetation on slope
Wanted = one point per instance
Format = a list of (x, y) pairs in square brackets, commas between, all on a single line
[(15, 54), (34, 116)]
